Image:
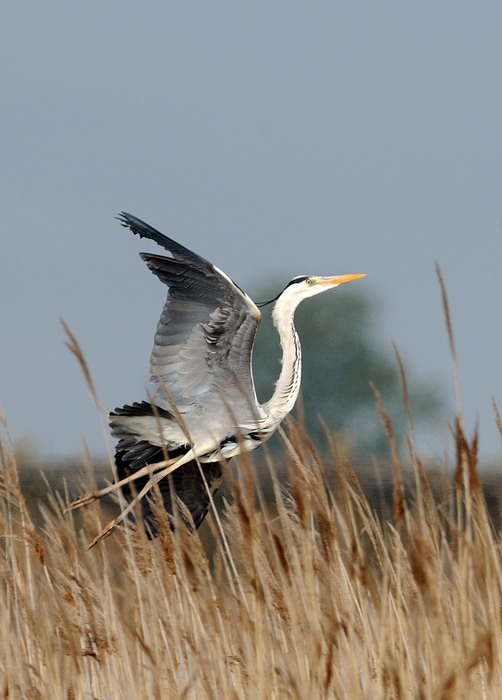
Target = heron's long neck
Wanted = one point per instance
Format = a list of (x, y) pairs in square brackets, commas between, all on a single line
[(288, 384)]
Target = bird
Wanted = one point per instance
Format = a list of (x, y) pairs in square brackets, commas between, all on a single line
[(203, 409)]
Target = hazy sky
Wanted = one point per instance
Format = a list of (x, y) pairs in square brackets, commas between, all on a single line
[(275, 138)]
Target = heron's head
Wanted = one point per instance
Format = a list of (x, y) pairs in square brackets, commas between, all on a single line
[(304, 286)]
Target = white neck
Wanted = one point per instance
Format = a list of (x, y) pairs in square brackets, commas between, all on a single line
[(288, 384)]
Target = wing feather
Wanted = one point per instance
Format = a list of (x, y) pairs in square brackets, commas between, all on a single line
[(201, 359)]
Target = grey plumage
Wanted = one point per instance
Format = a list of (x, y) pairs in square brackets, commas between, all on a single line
[(204, 409), (200, 364)]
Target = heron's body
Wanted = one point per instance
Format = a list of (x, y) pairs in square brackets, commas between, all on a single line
[(204, 409)]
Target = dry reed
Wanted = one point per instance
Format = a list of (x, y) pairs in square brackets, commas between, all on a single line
[(314, 598), (308, 595)]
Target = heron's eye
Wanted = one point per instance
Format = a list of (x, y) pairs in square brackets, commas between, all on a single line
[(308, 280)]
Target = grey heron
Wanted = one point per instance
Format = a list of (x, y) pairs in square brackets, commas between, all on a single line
[(204, 409)]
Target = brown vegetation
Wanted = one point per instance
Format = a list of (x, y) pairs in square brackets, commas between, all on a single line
[(315, 597), (309, 590)]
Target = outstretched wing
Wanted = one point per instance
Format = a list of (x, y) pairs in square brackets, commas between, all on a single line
[(205, 335)]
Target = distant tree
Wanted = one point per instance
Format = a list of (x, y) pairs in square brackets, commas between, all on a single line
[(342, 356)]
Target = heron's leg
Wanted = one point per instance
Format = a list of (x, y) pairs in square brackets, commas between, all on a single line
[(144, 471), (154, 478), (99, 493), (112, 525)]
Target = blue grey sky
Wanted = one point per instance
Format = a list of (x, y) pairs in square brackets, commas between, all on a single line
[(275, 138)]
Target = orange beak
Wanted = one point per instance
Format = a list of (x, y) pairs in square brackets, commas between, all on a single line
[(338, 279)]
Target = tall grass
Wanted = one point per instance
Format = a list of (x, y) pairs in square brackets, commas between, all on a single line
[(313, 596), (306, 594)]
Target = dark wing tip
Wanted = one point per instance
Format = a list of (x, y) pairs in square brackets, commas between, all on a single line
[(144, 230), (124, 218), (139, 227)]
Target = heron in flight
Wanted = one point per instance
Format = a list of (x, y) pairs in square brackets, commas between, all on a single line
[(204, 409)]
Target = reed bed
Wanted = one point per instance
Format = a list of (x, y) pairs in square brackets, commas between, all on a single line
[(310, 595), (301, 588)]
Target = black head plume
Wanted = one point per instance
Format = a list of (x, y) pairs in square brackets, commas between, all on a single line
[(261, 304), (295, 280)]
